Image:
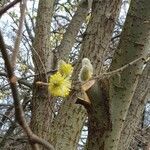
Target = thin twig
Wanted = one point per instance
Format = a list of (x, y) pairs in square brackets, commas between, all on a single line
[(20, 80), (3, 10), (119, 70), (19, 114), (7, 117), (45, 72), (108, 74), (19, 32), (41, 83)]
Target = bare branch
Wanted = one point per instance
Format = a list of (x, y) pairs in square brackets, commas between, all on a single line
[(3, 10), (19, 114), (145, 59), (7, 117), (19, 33), (20, 80), (69, 37)]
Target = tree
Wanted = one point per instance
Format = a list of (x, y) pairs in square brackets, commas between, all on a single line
[(107, 100)]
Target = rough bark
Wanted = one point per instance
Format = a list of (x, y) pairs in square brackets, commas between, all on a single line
[(134, 43), (41, 110), (72, 30), (96, 39), (99, 120), (135, 110)]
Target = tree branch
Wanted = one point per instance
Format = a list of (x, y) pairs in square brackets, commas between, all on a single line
[(72, 30), (19, 114), (19, 32), (20, 80), (143, 58), (3, 10)]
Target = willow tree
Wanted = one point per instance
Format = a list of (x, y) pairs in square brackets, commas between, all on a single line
[(108, 98), (109, 105)]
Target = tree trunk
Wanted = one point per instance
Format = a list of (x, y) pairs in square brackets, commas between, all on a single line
[(41, 110), (135, 110), (134, 43), (99, 121), (68, 123)]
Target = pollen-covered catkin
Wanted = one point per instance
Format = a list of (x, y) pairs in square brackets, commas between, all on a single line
[(64, 68), (86, 71)]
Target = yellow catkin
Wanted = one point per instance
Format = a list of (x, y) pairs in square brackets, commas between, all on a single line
[(59, 85), (64, 68)]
